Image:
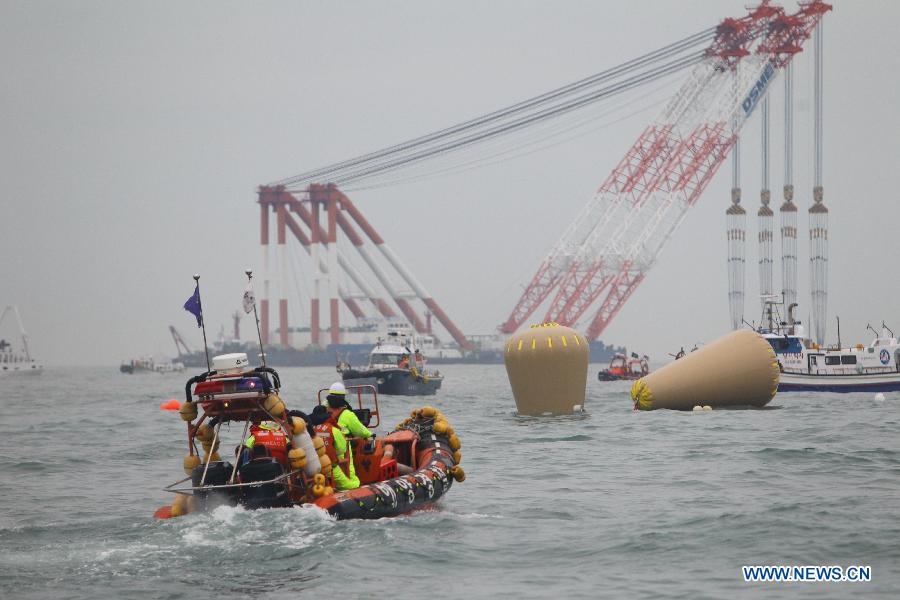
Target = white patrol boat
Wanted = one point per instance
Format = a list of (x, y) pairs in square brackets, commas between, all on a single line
[(396, 367), (805, 366), (17, 361)]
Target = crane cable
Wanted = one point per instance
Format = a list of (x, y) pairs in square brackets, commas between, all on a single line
[(528, 120), (335, 170)]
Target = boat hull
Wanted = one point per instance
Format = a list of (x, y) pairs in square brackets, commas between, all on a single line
[(867, 382), (401, 494), (21, 369), (393, 382)]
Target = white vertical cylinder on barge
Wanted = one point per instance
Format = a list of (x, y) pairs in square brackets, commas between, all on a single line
[(736, 218), (818, 213)]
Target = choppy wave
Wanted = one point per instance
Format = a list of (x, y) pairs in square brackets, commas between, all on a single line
[(609, 504)]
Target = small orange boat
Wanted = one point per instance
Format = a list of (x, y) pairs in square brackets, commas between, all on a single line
[(621, 367), (412, 466)]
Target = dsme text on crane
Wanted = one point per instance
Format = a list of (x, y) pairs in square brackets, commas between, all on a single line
[(756, 92)]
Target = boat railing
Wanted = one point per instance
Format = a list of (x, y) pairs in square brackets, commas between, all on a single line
[(224, 486)]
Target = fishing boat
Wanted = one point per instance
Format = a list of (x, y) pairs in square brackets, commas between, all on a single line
[(150, 365), (622, 367), (394, 368), (806, 366), (411, 467), (17, 360)]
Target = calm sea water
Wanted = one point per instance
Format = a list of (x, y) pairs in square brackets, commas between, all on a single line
[(613, 504)]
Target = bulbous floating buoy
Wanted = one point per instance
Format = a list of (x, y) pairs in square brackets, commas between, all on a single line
[(171, 404), (547, 368), (274, 405), (188, 411), (739, 369), (205, 433), (458, 474), (191, 461), (325, 461), (180, 505)]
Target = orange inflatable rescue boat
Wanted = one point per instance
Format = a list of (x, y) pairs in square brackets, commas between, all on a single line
[(281, 461)]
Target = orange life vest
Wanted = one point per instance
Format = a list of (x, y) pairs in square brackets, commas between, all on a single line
[(324, 432), (274, 440)]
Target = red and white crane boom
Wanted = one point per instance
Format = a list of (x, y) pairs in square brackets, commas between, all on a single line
[(606, 252)]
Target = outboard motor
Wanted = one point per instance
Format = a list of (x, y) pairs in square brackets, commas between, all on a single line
[(218, 474), (269, 495)]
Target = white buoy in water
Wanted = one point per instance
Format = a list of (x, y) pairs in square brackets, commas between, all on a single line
[(879, 397), (698, 408)]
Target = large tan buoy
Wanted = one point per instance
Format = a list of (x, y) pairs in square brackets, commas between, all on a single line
[(547, 368), (738, 369)]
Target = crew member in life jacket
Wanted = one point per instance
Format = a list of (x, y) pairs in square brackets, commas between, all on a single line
[(270, 436), (337, 448), (335, 426), (343, 415)]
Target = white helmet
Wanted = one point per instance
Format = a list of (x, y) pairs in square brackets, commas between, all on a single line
[(337, 389)]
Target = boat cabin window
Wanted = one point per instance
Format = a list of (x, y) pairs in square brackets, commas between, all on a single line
[(832, 360), (385, 359), (782, 344), (848, 360)]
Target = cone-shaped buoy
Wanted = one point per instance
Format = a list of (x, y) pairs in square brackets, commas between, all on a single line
[(547, 368), (739, 369)]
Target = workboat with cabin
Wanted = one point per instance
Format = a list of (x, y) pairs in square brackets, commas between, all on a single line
[(150, 365), (17, 361), (622, 367), (291, 462), (394, 368), (806, 366)]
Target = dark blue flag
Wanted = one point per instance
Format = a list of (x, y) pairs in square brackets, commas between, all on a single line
[(193, 306)]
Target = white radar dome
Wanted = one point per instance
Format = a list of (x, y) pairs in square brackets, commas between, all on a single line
[(230, 362)]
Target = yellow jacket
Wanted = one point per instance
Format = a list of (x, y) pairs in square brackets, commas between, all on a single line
[(343, 480)]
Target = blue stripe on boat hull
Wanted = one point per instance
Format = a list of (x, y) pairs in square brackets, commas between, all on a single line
[(887, 386)]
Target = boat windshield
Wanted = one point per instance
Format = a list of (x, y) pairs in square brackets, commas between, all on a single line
[(386, 359), (786, 344)]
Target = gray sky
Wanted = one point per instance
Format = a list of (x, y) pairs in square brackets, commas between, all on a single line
[(134, 136)]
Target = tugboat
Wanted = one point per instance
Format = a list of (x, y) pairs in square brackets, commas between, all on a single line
[(149, 365), (17, 361), (394, 369), (621, 367), (412, 466), (805, 366)]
